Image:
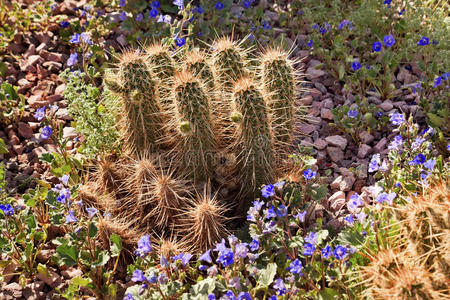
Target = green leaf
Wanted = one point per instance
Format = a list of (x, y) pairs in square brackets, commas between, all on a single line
[(67, 254), (3, 69), (3, 149), (42, 269), (80, 281), (116, 246), (203, 287), (328, 294), (92, 230), (341, 71), (435, 120), (102, 259), (266, 276)]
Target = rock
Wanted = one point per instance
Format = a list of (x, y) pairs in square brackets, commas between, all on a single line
[(306, 128), (23, 83), (386, 105), (52, 66), (336, 201), (380, 146), (63, 113), (320, 87), (272, 15), (44, 37), (36, 101), (60, 89), (364, 150), (53, 280), (347, 184), (312, 73), (53, 98), (69, 132), (55, 57), (335, 154), (8, 272), (337, 140), (337, 224), (45, 254), (13, 289), (325, 113), (366, 137), (335, 184), (315, 93), (122, 40), (327, 103), (405, 76), (320, 144), (71, 273), (18, 149), (307, 100), (30, 51)]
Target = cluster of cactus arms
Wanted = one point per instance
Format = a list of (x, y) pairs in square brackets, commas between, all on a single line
[(419, 266), (214, 120)]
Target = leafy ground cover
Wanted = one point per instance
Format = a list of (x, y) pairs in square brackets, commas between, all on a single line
[(363, 214)]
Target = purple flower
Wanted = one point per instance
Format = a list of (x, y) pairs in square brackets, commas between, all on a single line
[(388, 2), (235, 282), (340, 252), (423, 41), (200, 10), (446, 75), (266, 25), (179, 3), (310, 43), (437, 81), (270, 227), (220, 247), (295, 267), (356, 66), (211, 297), (361, 217), (139, 17), (122, 3), (388, 40), (212, 271), (354, 202), (244, 296), (91, 211), (155, 4), (270, 213), (227, 258), (128, 296), (123, 16), (376, 46), (186, 258), (75, 39), (40, 113), (7, 209), (64, 24), (166, 19), (311, 238), (180, 42), (396, 143), (138, 276), (254, 245), (219, 5), (268, 191), (397, 119), (343, 24), (282, 211), (309, 249), (46, 132), (70, 218), (279, 286), (153, 13), (322, 30), (246, 4), (144, 245), (72, 60), (418, 159), (349, 219), (326, 252), (352, 113), (163, 262), (162, 278), (385, 197), (65, 179), (429, 164), (86, 38), (309, 174), (206, 257), (241, 250), (301, 216)]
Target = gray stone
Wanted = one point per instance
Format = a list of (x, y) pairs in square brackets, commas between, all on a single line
[(337, 140), (320, 87), (386, 105), (366, 137), (335, 154), (380, 146), (312, 73), (320, 144), (327, 103), (325, 113), (337, 224), (364, 150)]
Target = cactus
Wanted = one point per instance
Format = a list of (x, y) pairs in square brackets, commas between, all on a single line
[(141, 119), (253, 137), (203, 223), (205, 118), (197, 140), (279, 82)]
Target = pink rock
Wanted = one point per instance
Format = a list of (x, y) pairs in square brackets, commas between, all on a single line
[(366, 138), (35, 101), (55, 57), (307, 100), (380, 146), (60, 89), (386, 105), (25, 130), (364, 150), (315, 92), (335, 154), (13, 289), (325, 113), (53, 280), (337, 224), (306, 128), (53, 98), (71, 273), (320, 144)]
